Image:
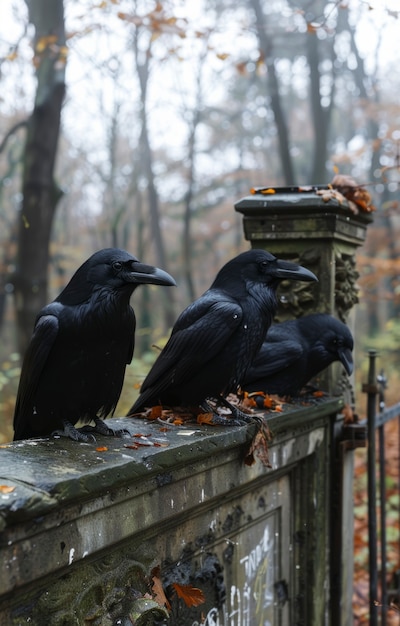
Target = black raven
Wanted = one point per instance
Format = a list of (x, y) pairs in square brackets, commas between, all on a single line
[(75, 363), (216, 338), (295, 351)]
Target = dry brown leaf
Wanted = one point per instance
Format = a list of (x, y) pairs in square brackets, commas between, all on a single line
[(157, 589), (259, 446)]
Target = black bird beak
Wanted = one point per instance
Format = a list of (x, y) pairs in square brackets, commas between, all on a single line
[(285, 269), (346, 359), (147, 274)]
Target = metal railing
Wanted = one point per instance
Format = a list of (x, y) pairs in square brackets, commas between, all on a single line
[(380, 597)]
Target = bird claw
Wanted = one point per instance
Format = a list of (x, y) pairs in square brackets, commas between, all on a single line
[(238, 417), (102, 428), (76, 434), (218, 420), (85, 434)]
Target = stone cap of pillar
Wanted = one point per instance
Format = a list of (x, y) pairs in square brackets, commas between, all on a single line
[(300, 212)]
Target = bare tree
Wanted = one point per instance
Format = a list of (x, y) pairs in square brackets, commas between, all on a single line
[(40, 191), (267, 51), (142, 61)]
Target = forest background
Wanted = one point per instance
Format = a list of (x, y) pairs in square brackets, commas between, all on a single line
[(139, 124)]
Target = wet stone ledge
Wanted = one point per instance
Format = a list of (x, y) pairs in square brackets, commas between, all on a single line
[(82, 526)]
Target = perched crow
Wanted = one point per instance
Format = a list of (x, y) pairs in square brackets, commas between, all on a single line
[(294, 352), (216, 338), (75, 363)]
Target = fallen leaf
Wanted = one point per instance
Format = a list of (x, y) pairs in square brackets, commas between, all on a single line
[(155, 413), (205, 418), (259, 446), (263, 190), (6, 489), (192, 596), (157, 589), (102, 449)]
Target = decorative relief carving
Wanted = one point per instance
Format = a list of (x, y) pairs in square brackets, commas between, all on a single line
[(108, 592), (346, 290), (296, 298)]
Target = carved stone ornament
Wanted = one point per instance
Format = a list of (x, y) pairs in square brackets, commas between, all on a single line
[(108, 592)]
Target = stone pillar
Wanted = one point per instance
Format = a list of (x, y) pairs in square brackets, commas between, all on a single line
[(321, 233), (300, 225)]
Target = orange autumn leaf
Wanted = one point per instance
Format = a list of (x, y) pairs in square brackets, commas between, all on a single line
[(102, 449), (131, 446), (6, 489), (263, 190), (248, 400), (267, 191), (318, 394), (192, 596), (178, 421), (205, 418), (155, 413), (270, 403)]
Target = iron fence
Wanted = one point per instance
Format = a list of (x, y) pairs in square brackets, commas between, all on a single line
[(381, 595)]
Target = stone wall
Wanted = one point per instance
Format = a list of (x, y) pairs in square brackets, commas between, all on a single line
[(88, 530)]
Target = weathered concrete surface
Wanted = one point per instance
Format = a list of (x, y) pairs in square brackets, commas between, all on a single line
[(83, 523)]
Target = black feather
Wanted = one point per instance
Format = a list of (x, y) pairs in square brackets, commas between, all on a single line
[(75, 363), (216, 338), (295, 351)]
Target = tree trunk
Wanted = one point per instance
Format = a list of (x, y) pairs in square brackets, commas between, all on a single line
[(142, 68), (40, 192), (319, 114), (266, 48)]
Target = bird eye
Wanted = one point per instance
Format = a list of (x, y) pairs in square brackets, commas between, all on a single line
[(117, 266)]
